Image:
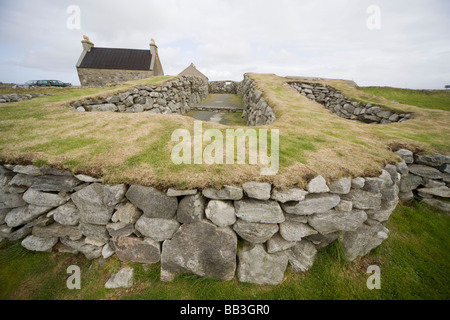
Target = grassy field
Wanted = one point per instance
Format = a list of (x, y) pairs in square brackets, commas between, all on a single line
[(430, 99), (136, 148), (413, 261)]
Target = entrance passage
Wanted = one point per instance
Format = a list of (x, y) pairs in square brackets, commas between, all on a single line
[(219, 108)]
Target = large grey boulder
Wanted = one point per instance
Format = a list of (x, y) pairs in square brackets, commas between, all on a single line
[(341, 186), (358, 183), (294, 194), (85, 178), (322, 240), (332, 221), (221, 213), (200, 248), (393, 173), (34, 243), (384, 212), (295, 231), (251, 210), (317, 185), (97, 232), (121, 279), (425, 171), (363, 199), (3, 213), (44, 199), (152, 202), (88, 250), (191, 208), (433, 160), (28, 170), (178, 193), (313, 203), (157, 228), (120, 229), (137, 250), (406, 155), (296, 218), (22, 215), (126, 213), (390, 193), (409, 182), (277, 243), (11, 200), (362, 240), (443, 192), (258, 266), (57, 230), (226, 193), (257, 190), (55, 183), (373, 184), (301, 256), (344, 206), (402, 168), (21, 180), (96, 202), (67, 214), (255, 232)]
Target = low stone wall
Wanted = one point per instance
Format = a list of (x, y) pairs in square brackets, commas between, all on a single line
[(175, 96), (426, 177), (256, 110), (222, 87), (14, 97), (346, 108), (197, 231)]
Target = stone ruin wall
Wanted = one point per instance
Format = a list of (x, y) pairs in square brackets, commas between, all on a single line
[(197, 231), (174, 96), (223, 87), (256, 110), (344, 107)]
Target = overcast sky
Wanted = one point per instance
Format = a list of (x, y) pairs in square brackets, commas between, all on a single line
[(226, 38)]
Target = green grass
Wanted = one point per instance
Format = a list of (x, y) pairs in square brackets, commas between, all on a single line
[(414, 263), (429, 99)]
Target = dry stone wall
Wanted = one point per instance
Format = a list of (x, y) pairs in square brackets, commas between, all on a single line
[(426, 177), (175, 96), (256, 110), (224, 87), (14, 97), (346, 108), (197, 231)]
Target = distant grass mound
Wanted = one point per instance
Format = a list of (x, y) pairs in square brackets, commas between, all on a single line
[(429, 99)]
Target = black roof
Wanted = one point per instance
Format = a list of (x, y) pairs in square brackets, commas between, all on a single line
[(110, 58)]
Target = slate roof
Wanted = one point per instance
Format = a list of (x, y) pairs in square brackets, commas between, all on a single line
[(110, 58)]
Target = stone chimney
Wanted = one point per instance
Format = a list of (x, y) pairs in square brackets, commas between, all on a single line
[(154, 52), (87, 46)]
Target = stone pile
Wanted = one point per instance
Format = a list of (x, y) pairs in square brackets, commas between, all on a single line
[(426, 177), (175, 96), (256, 110), (197, 231), (14, 97), (346, 108), (223, 87)]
